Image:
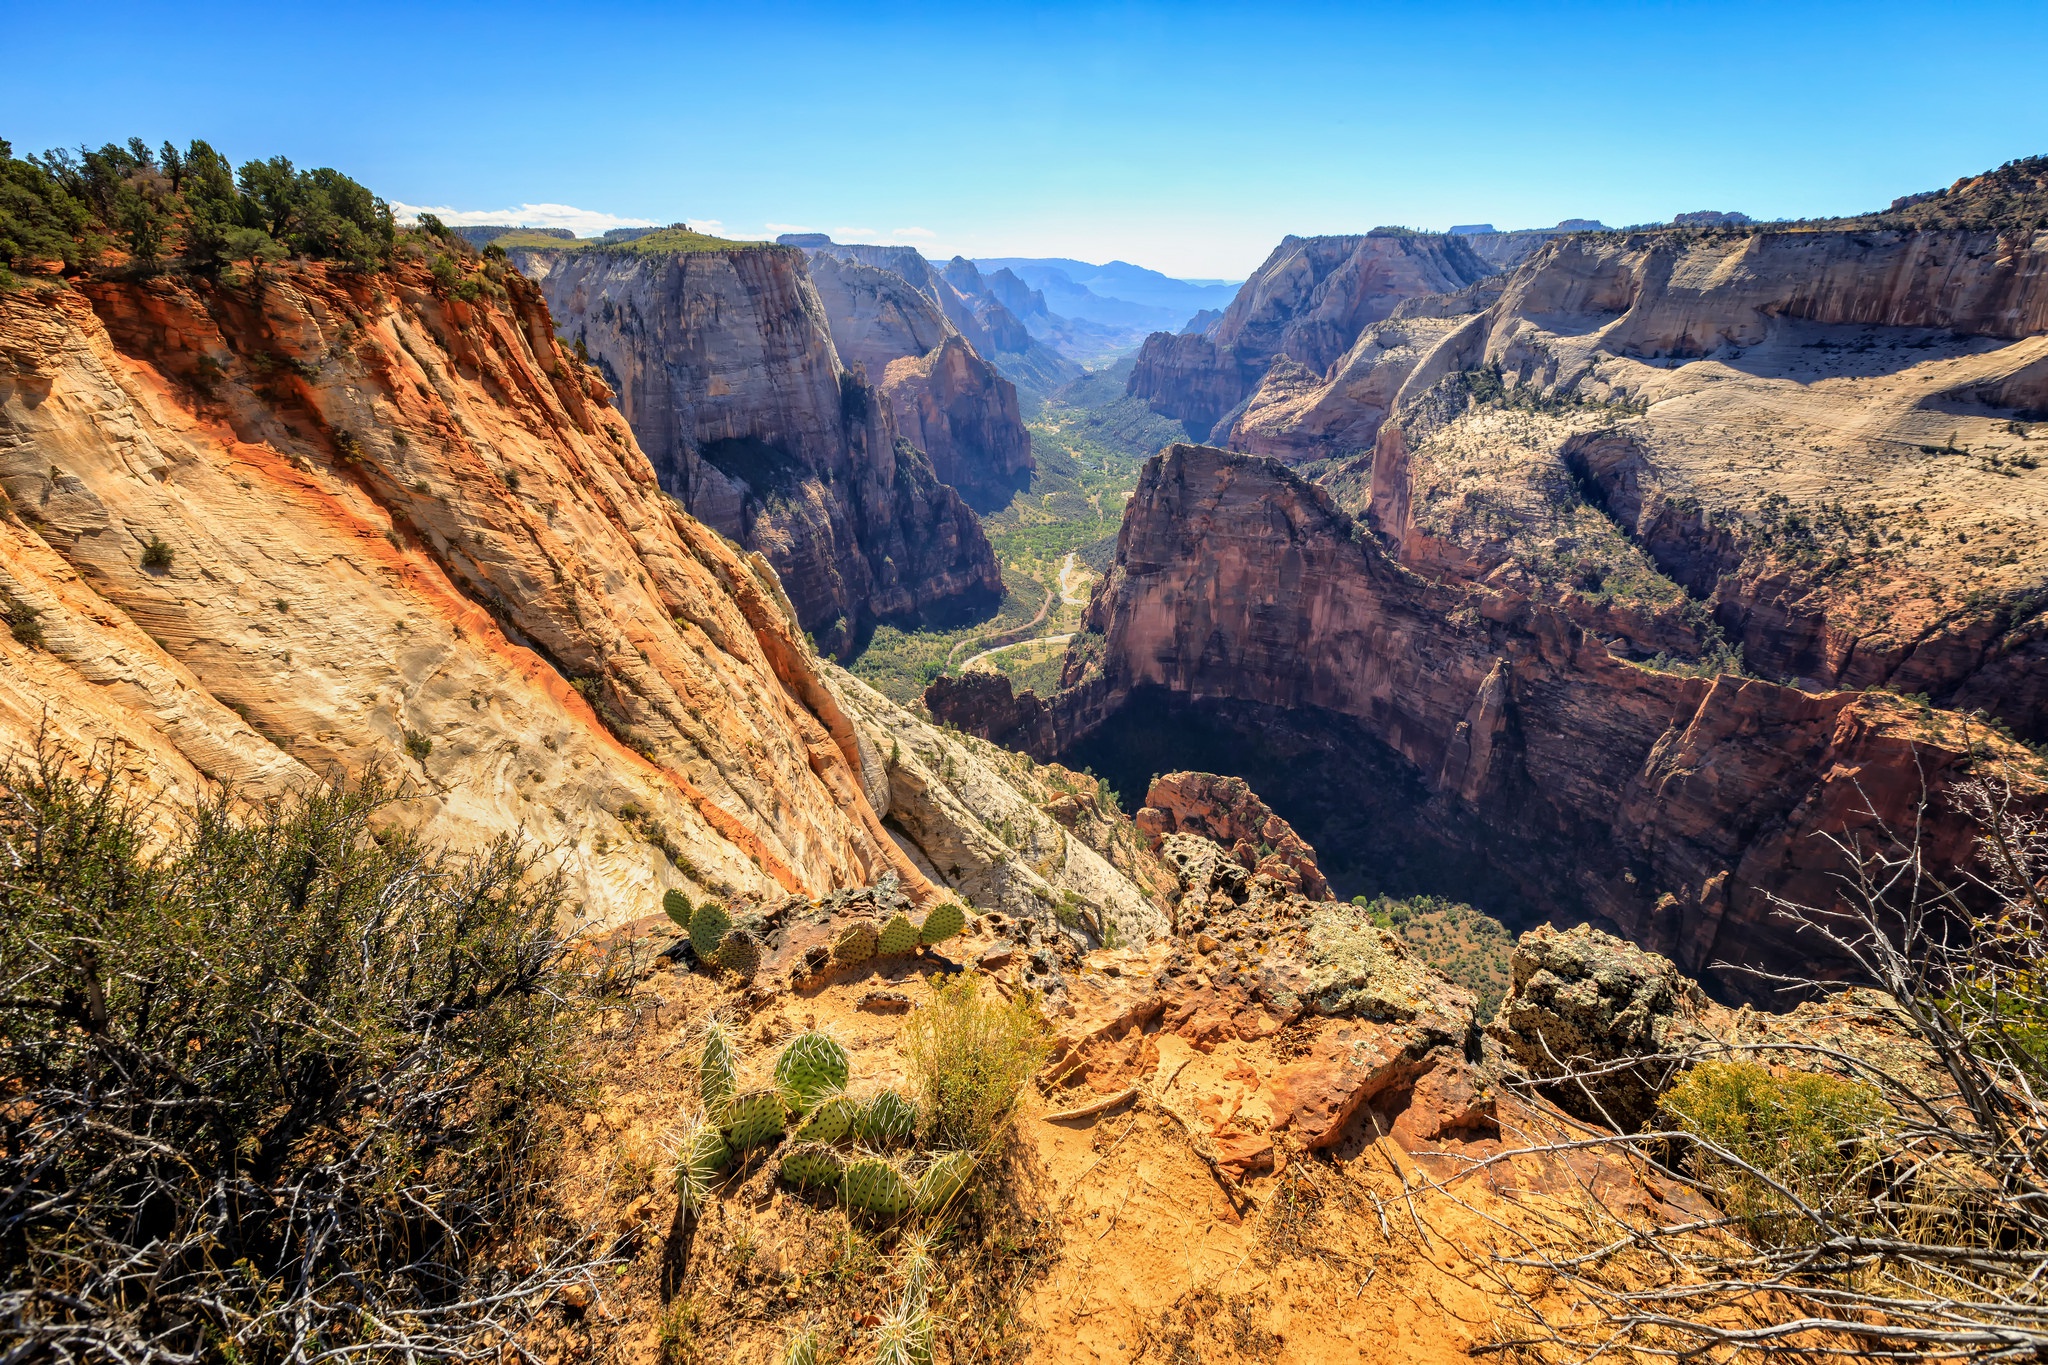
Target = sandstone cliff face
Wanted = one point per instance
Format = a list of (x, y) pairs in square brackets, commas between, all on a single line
[(1664, 805), (725, 365), (1307, 302), (985, 310), (406, 531), (944, 397), (1828, 457)]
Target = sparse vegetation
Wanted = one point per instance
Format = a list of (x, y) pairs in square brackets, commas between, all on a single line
[(1467, 945), (273, 1081), (969, 1055), (156, 555)]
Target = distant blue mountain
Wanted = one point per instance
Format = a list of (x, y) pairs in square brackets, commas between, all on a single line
[(1118, 294)]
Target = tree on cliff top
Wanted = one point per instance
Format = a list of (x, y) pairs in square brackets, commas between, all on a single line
[(66, 206)]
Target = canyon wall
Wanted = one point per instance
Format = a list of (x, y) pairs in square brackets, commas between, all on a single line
[(724, 364), (1668, 806), (945, 399), (1307, 303), (328, 521)]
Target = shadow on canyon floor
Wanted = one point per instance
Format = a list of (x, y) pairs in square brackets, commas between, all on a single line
[(1364, 808)]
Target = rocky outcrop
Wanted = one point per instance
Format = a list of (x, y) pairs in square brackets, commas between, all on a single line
[(1663, 805), (988, 313), (1308, 303), (1227, 811), (1583, 1004), (337, 520), (968, 808), (945, 398), (725, 365)]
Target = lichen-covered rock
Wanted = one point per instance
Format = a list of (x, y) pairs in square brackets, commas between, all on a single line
[(1359, 970), (1580, 998)]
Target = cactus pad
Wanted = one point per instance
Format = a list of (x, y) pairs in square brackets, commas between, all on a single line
[(873, 1187), (831, 1121), (677, 907), (887, 1117), (717, 1067), (855, 944), (812, 1166), (752, 1119), (699, 1158), (739, 951), (945, 920), (943, 1180), (811, 1067), (709, 924), (899, 936)]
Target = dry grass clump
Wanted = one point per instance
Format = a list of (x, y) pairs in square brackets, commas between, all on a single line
[(969, 1056)]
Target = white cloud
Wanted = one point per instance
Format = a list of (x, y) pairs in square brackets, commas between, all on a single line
[(583, 222), (776, 229), (912, 232)]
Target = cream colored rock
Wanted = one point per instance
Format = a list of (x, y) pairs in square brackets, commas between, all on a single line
[(966, 805), (405, 532)]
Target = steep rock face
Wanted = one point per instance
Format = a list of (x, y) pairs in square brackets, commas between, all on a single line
[(944, 397), (404, 531), (1307, 302), (980, 309), (1830, 449), (1664, 805), (725, 365)]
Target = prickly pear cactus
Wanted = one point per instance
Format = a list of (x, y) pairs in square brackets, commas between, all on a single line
[(811, 1067), (886, 1118), (709, 924), (899, 936), (752, 1118), (677, 907), (718, 1062), (943, 1180), (831, 1121), (812, 1166), (872, 1186), (740, 952), (945, 920), (700, 1156), (855, 944)]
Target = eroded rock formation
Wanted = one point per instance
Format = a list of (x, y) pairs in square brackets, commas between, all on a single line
[(725, 365), (1662, 804), (261, 534), (1306, 303), (946, 399)]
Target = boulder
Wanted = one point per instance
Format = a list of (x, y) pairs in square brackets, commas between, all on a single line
[(1583, 1000)]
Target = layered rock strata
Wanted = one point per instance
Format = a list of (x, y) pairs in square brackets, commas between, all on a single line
[(945, 399), (1668, 806), (326, 521), (724, 363), (1307, 304)]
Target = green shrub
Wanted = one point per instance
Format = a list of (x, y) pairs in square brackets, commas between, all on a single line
[(418, 745), (156, 556), (1806, 1139), (969, 1056), (274, 1079)]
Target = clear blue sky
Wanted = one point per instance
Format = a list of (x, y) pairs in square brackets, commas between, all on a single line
[(1188, 138)]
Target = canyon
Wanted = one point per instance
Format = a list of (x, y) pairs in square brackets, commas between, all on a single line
[(722, 359), (1623, 578)]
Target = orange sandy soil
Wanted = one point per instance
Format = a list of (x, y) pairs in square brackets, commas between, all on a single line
[(1104, 1238)]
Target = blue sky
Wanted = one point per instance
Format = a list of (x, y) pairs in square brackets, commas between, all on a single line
[(1188, 138)]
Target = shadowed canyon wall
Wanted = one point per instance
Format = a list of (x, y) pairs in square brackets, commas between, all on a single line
[(1664, 805), (725, 365)]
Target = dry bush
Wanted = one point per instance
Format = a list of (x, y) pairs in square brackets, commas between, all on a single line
[(272, 1084), (969, 1056)]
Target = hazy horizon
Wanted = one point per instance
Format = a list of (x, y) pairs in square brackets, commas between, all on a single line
[(1186, 139)]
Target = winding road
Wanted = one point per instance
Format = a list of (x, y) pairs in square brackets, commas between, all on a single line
[(1068, 596)]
